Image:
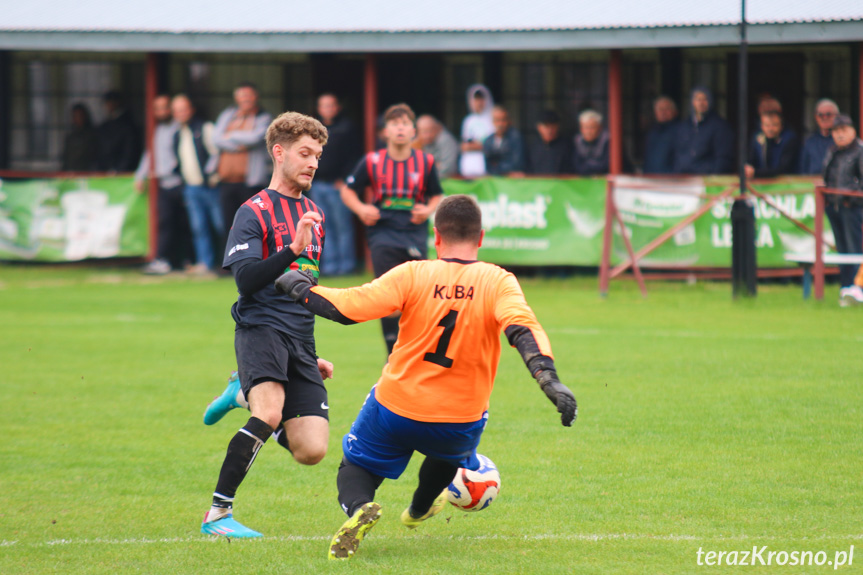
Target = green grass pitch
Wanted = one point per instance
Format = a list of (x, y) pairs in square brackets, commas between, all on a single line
[(704, 423)]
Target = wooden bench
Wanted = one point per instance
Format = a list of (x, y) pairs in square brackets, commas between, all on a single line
[(806, 261)]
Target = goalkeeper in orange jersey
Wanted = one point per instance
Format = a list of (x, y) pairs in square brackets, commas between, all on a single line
[(433, 395)]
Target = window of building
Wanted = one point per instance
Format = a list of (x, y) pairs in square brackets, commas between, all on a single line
[(567, 82), (44, 88), (283, 81), (460, 72)]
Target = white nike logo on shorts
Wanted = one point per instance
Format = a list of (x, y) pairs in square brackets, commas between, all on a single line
[(324, 405)]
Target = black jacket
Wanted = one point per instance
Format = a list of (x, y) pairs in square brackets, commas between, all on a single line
[(119, 145), (843, 169), (342, 152), (550, 158)]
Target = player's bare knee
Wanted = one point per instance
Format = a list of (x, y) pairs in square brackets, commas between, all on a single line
[(310, 454)]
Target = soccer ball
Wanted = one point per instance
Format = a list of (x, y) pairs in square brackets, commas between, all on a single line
[(475, 490)]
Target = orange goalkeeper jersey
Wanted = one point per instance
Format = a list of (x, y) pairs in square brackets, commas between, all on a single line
[(443, 365)]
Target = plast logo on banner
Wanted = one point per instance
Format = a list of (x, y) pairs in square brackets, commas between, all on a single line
[(505, 213)]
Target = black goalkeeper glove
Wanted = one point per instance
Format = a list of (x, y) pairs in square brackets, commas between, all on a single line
[(295, 283), (559, 395)]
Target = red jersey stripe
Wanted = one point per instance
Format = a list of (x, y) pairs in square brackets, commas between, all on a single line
[(390, 171), (411, 181), (421, 173), (400, 180), (379, 177), (290, 217), (257, 209)]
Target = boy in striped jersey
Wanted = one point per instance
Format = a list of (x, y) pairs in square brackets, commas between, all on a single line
[(405, 192)]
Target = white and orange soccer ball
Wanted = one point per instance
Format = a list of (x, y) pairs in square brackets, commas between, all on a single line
[(475, 490)]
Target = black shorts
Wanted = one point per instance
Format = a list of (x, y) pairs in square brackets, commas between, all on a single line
[(266, 354), (385, 258)]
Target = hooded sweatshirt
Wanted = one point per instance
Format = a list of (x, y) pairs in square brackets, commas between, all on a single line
[(476, 128)]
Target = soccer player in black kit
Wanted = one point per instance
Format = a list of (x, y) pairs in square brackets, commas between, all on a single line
[(406, 190), (282, 378)]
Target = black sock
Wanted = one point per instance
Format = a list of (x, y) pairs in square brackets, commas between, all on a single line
[(435, 475), (282, 438), (242, 451), (390, 327), (356, 486)]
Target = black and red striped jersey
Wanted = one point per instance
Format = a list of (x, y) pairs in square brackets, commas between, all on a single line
[(396, 186), (263, 226)]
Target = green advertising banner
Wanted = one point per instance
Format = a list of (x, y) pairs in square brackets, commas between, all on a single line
[(538, 222), (649, 208), (72, 219), (548, 222), (528, 222)]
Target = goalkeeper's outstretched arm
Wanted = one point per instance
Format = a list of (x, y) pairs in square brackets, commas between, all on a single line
[(346, 306), (298, 285), (542, 368)]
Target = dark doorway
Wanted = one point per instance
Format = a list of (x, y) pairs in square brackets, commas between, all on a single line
[(777, 74), (415, 79), (342, 76)]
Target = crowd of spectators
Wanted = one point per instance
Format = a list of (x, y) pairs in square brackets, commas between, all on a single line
[(700, 143), (205, 171)]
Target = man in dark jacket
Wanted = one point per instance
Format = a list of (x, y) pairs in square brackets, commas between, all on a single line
[(503, 150), (344, 149), (774, 150), (843, 169), (819, 142), (659, 147), (119, 146), (549, 153), (705, 143)]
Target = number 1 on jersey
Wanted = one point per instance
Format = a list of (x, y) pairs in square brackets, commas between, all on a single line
[(439, 356)]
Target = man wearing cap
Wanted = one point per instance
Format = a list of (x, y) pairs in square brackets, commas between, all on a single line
[(843, 169)]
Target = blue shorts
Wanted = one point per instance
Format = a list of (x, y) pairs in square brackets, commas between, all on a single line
[(382, 442)]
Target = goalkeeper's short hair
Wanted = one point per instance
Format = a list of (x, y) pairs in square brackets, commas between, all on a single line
[(458, 219)]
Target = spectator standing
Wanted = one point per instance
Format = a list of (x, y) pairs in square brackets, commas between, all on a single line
[(591, 145), (843, 169), (476, 127), (659, 145), (193, 147), (173, 244), (705, 143), (774, 150), (436, 140), (406, 191), (503, 150), (549, 153), (819, 143), (242, 164), (81, 143), (344, 149), (119, 147)]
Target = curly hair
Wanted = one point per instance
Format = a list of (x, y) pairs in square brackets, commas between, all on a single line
[(289, 127)]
